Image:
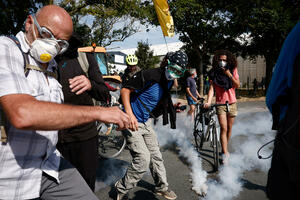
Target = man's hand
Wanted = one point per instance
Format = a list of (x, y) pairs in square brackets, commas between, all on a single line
[(133, 123), (116, 116), (80, 84)]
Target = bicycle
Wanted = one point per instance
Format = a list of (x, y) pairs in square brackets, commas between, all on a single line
[(111, 142), (205, 129), (198, 125)]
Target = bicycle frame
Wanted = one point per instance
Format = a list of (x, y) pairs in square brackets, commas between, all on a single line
[(212, 122), (209, 132)]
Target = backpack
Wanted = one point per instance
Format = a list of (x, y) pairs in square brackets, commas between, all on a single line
[(84, 63)]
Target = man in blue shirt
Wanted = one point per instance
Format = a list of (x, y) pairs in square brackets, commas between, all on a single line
[(147, 95)]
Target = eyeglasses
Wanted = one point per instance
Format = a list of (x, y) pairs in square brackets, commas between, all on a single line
[(46, 33), (175, 69)]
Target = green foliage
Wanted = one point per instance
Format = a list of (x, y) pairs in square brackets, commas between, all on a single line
[(207, 25), (105, 21), (267, 24), (145, 56), (13, 14)]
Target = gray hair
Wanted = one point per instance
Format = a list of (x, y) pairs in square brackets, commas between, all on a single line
[(192, 71)]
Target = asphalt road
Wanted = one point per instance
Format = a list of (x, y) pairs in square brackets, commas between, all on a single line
[(244, 178)]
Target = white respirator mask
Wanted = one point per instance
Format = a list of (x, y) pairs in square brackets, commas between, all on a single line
[(44, 50), (222, 63)]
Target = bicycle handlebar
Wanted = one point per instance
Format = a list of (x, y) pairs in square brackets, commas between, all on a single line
[(225, 104), (201, 100), (201, 103)]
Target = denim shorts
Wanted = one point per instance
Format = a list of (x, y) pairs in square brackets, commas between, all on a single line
[(190, 100)]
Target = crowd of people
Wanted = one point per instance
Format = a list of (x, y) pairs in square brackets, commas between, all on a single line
[(46, 70), (49, 141)]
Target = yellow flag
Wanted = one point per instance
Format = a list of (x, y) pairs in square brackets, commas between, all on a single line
[(164, 17)]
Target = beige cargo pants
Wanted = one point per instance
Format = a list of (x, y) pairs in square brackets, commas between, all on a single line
[(144, 149)]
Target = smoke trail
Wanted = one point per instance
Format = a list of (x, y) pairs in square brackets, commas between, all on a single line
[(251, 130), (109, 171), (182, 139), (256, 127)]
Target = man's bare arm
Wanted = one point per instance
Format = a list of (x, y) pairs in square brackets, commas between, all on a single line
[(125, 95), (25, 112), (188, 91)]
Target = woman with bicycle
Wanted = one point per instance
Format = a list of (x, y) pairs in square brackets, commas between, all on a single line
[(224, 79)]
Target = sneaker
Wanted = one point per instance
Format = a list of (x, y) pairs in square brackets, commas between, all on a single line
[(169, 194)]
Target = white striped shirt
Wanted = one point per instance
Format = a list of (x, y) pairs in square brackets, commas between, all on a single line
[(27, 153)]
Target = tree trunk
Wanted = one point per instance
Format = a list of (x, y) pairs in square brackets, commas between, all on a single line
[(199, 69), (270, 63)]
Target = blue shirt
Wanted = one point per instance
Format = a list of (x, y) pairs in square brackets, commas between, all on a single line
[(283, 71), (150, 98), (191, 83)]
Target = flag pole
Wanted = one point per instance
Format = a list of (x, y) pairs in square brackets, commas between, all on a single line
[(166, 43)]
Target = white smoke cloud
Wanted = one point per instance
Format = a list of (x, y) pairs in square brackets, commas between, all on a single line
[(182, 137), (250, 131), (257, 128)]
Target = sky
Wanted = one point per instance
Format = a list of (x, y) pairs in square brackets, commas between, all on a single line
[(154, 36)]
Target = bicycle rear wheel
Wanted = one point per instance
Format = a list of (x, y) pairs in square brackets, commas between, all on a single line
[(111, 143), (215, 148)]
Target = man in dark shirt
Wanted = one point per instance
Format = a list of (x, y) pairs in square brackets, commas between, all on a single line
[(79, 145), (191, 91)]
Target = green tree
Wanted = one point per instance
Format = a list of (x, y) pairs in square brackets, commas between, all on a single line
[(204, 26), (245, 27), (13, 14), (266, 24), (145, 56), (105, 21)]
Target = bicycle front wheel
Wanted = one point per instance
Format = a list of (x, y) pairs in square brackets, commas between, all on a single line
[(198, 133), (215, 148), (111, 143)]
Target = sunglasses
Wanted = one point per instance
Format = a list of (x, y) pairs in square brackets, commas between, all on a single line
[(46, 33), (175, 70)]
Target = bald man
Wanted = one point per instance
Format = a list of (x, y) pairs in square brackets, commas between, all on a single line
[(30, 165)]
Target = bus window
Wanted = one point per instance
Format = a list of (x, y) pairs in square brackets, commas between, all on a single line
[(101, 60)]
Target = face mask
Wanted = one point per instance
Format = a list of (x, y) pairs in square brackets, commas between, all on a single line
[(222, 63), (195, 76), (169, 76), (43, 49)]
